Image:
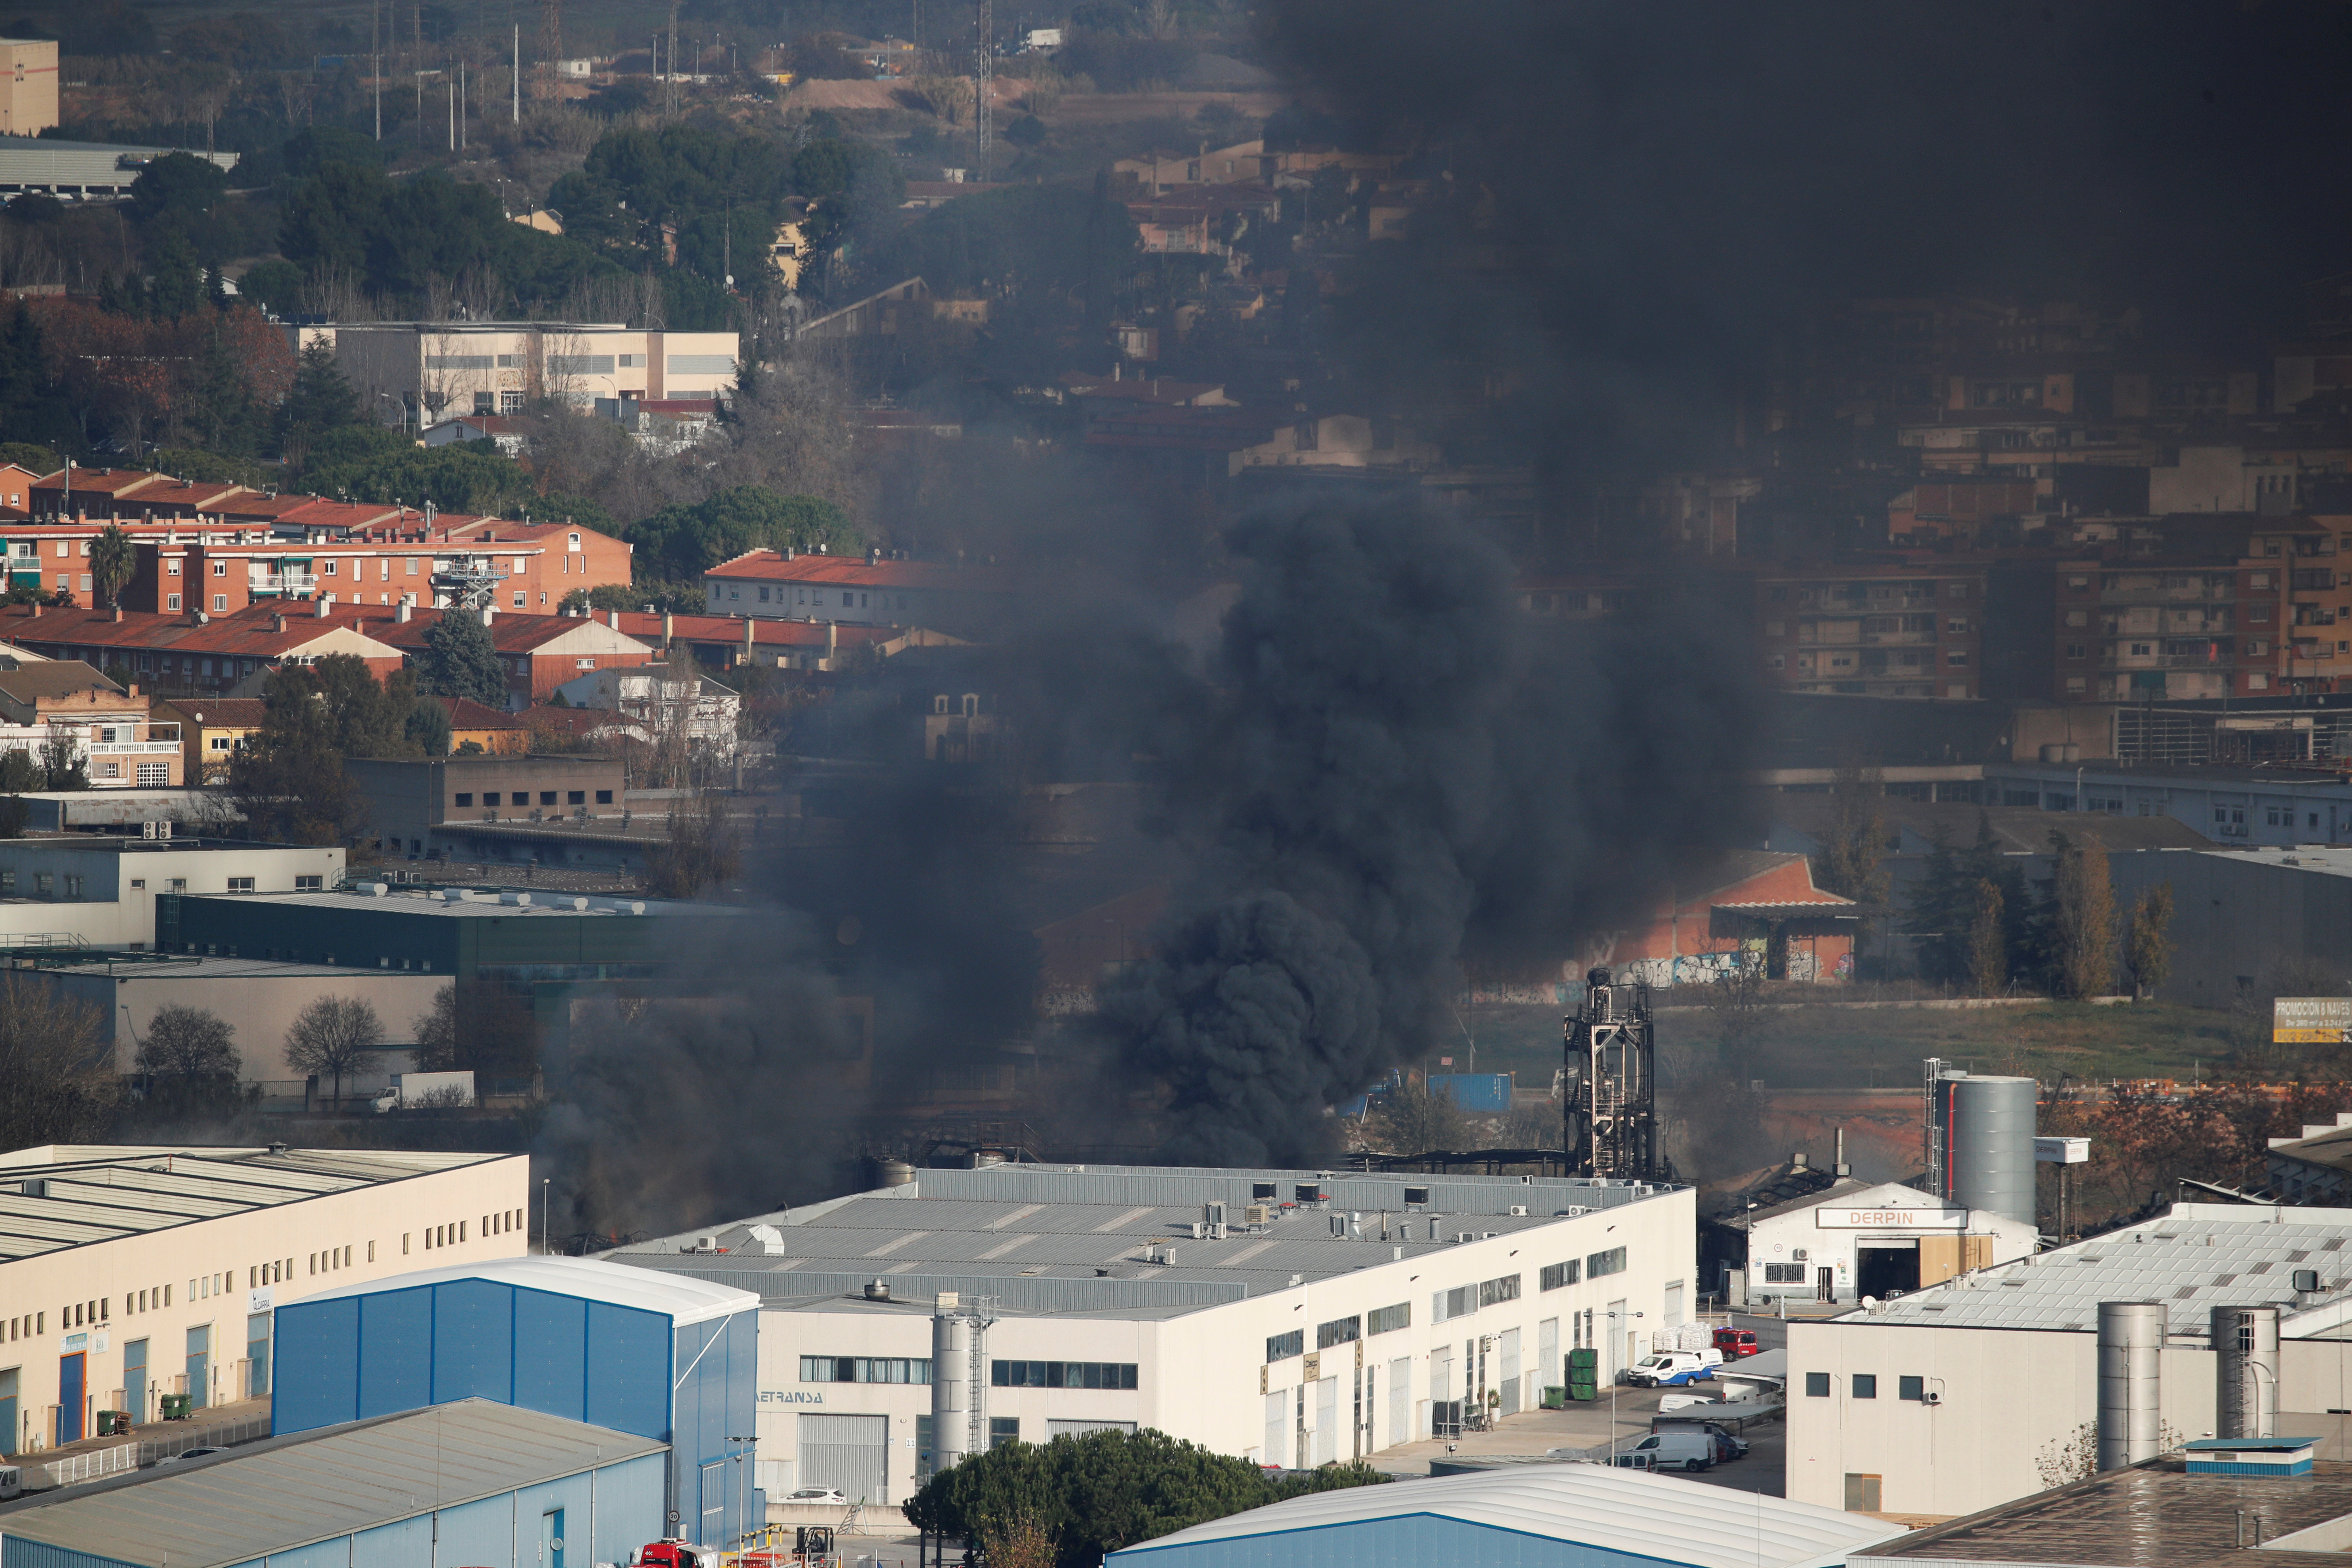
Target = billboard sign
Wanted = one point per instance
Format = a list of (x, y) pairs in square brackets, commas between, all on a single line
[(2062, 1150), (2311, 1020), (1829, 1218)]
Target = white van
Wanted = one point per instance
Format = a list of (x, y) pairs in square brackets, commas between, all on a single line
[(12, 1483), (1685, 1450), (1674, 1369)]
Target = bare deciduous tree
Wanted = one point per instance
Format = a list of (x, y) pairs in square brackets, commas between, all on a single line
[(60, 1085), (329, 1036)]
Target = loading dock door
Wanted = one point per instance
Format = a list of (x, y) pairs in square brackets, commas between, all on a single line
[(851, 1452)]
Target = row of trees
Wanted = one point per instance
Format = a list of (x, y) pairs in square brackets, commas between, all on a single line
[(1984, 926)]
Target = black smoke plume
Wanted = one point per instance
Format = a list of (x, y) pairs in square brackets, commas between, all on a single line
[(1398, 770)]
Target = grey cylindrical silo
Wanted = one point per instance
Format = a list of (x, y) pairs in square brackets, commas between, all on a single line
[(1989, 1143), (2245, 1372), (2131, 1365), (949, 1436)]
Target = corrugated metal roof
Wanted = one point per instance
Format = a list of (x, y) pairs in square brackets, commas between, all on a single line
[(682, 1300), (36, 161), (1068, 1239), (1628, 1511), (2198, 1256), (100, 1192), (316, 1485)]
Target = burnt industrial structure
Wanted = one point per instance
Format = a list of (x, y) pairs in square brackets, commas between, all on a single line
[(1612, 1084)]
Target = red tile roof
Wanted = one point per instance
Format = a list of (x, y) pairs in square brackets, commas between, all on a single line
[(97, 481), (852, 571), (228, 712), (465, 713), (243, 634)]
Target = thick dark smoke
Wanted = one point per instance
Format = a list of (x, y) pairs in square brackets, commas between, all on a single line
[(1635, 209), (1399, 771)]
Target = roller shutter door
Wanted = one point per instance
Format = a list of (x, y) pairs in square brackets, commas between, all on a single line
[(851, 1452)]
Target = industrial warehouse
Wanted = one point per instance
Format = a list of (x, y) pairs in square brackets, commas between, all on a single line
[(1296, 1316), (130, 1274), (1961, 1397)]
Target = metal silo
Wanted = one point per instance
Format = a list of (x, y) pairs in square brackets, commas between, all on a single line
[(1987, 1136), (2131, 1367)]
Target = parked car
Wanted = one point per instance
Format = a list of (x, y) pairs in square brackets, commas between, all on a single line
[(1674, 1369), (1736, 1343), (1689, 1450), (189, 1454), (815, 1495), (1729, 1445)]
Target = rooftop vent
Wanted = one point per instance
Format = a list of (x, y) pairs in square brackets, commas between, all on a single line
[(33, 1187), (877, 1290)]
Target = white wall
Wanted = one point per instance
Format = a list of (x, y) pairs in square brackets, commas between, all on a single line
[(2005, 1397), (110, 910), (1204, 1375), (1837, 1247)]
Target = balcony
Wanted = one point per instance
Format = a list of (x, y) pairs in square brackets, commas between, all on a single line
[(134, 748), (2166, 661), (2203, 593), (282, 583)]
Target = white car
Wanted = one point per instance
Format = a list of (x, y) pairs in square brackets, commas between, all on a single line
[(814, 1494)]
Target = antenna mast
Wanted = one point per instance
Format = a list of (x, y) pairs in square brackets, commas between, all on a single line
[(551, 42)]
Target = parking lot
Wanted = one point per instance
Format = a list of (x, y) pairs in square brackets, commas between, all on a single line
[(1535, 1433)]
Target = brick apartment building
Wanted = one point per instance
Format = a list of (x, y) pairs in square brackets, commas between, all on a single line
[(866, 590), (1910, 629)]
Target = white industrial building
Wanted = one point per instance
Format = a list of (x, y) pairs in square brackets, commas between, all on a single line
[(129, 1273), (1968, 1394), (1292, 1317), (1854, 1239), (81, 890)]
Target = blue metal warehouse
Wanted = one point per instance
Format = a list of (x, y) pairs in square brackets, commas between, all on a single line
[(674, 1360), (473, 1482), (1525, 1516)]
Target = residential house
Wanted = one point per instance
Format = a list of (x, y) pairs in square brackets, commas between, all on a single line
[(110, 729), (494, 730), (664, 427), (868, 591), (723, 642), (1758, 913), (656, 702), (538, 652), (212, 730), (514, 440)]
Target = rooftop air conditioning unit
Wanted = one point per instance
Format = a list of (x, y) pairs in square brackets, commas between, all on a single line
[(1258, 1214), (1799, 1253), (1462, 1235), (1196, 1230), (1519, 1211), (1574, 1211)]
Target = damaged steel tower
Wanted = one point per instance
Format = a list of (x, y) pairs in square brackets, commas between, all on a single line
[(1612, 1084)]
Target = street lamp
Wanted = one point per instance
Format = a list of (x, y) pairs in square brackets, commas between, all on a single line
[(743, 1497), (1612, 1390)]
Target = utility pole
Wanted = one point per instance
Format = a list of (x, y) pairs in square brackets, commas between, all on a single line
[(452, 85), (673, 58), (517, 73), (982, 112), (375, 60)]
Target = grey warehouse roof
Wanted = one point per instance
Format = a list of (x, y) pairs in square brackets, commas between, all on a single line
[(1625, 1512), (290, 1491), (1067, 1238), (93, 1191), (479, 903), (2197, 1257)]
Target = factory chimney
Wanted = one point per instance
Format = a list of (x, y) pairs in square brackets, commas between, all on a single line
[(2131, 1357)]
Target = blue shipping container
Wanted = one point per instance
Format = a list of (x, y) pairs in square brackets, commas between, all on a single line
[(1473, 1090)]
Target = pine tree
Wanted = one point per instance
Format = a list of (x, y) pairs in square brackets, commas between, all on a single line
[(460, 661), (320, 400), (177, 286)]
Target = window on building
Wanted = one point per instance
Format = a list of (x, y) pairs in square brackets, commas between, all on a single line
[(522, 599), (1282, 1347), (311, 885), (603, 798), (1864, 1385), (1784, 1274), (170, 568), (489, 797), (1861, 1493), (1492, 1292), (2078, 650), (1603, 1263), (1911, 1388), (1555, 1274), (1387, 1319), (1339, 1331), (240, 884), (220, 602), (547, 797), (464, 797), (864, 1369), (1003, 1429), (1061, 1374), (575, 797), (171, 601)]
